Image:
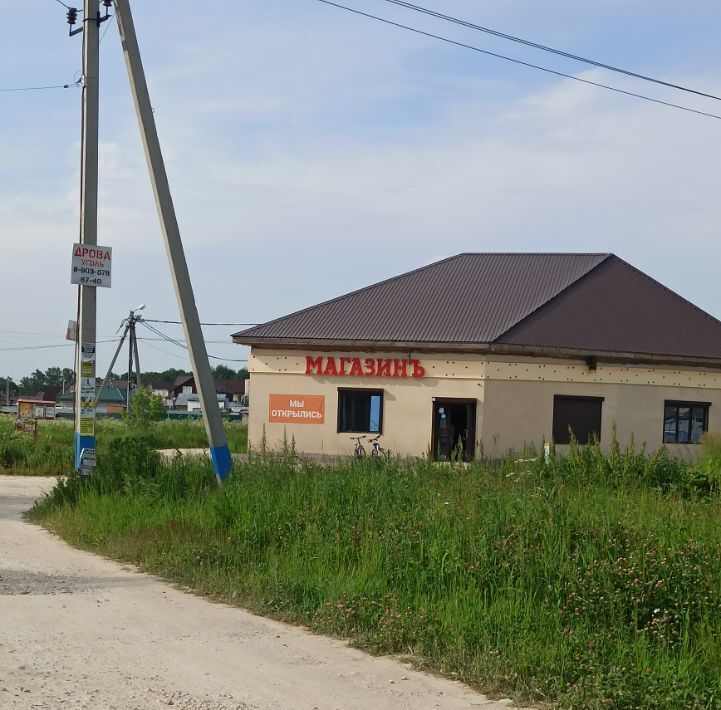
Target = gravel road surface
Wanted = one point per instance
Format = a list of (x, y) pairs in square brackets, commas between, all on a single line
[(78, 632)]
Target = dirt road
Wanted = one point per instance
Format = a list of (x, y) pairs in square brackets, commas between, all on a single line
[(78, 632)]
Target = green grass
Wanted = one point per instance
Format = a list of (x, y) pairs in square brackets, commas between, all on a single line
[(589, 581), (52, 453)]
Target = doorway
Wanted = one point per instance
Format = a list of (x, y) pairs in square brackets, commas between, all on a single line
[(453, 435)]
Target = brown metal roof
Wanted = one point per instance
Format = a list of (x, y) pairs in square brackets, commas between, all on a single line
[(469, 298), (566, 302), (617, 308)]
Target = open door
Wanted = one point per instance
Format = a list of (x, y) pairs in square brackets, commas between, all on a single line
[(453, 435)]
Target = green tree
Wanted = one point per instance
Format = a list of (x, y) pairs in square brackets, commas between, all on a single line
[(55, 376), (223, 372), (32, 384), (145, 407)]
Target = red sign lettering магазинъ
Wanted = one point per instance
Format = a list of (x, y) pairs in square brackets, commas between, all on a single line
[(362, 367)]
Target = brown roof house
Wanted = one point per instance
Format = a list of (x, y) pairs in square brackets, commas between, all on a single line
[(231, 390), (488, 352)]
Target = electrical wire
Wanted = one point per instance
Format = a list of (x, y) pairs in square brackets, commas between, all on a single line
[(46, 347), (72, 85), (177, 343), (165, 352), (545, 48), (530, 65), (177, 322), (214, 342), (105, 31), (164, 336)]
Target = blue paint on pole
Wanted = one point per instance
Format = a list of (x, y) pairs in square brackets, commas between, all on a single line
[(222, 463), (82, 442)]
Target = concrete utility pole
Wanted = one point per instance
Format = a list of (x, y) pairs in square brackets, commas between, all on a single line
[(219, 451), (129, 322), (85, 364)]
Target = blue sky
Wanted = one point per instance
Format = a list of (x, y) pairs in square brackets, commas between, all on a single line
[(311, 152)]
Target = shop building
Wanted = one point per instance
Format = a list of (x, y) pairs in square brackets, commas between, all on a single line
[(486, 353)]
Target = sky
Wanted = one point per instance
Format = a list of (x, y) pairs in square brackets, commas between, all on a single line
[(312, 151)]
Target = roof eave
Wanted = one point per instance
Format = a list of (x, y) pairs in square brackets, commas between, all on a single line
[(479, 348)]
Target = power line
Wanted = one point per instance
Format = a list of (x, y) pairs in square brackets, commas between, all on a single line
[(177, 322), (545, 48), (165, 352), (522, 63), (177, 343), (105, 31), (46, 347), (72, 85), (214, 342)]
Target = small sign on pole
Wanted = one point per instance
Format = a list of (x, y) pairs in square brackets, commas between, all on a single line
[(72, 331), (87, 461), (91, 265)]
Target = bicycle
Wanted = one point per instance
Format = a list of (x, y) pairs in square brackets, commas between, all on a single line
[(358, 452), (378, 451)]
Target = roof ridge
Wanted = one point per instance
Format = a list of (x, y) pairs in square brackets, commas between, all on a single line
[(606, 257), (409, 273), (355, 293), (534, 253)]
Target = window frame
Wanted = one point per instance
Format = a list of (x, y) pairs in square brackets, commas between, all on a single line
[(582, 398), (678, 404), (366, 391)]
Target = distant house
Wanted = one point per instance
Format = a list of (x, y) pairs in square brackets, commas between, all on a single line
[(191, 403), (163, 389), (160, 387), (112, 401), (232, 390)]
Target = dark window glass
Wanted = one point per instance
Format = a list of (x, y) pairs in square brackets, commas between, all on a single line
[(684, 423), (360, 411), (581, 415)]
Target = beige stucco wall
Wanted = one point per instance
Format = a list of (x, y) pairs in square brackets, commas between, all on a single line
[(407, 403), (514, 396)]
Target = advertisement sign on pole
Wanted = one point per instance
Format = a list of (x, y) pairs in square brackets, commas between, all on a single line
[(91, 265)]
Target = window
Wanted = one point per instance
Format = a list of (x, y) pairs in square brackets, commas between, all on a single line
[(684, 422), (582, 415), (360, 411)]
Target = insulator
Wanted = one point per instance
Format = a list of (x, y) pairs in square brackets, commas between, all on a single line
[(72, 15)]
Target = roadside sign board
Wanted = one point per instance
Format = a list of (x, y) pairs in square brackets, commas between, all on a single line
[(296, 408), (91, 265)]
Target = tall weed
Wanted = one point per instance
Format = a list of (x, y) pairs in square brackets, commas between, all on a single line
[(585, 579)]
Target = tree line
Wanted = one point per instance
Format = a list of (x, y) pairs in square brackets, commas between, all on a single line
[(64, 377)]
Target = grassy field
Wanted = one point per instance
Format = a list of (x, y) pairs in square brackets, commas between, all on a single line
[(53, 453), (588, 581)]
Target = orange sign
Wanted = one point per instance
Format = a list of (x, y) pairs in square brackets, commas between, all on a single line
[(296, 408)]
